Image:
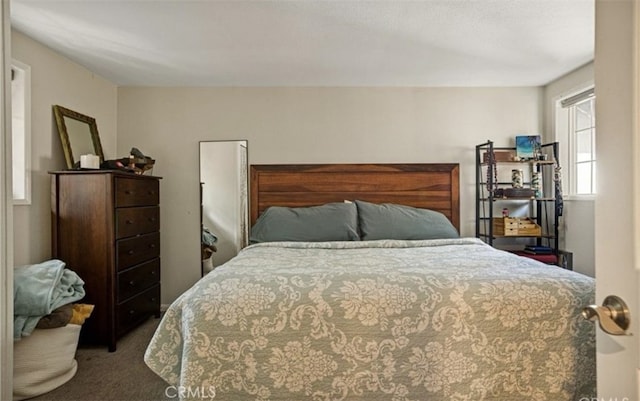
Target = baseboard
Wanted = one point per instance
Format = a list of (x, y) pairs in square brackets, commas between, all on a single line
[(164, 307)]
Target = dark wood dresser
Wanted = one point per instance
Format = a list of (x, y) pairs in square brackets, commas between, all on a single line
[(105, 227)]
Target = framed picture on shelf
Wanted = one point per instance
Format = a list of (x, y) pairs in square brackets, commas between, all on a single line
[(527, 146)]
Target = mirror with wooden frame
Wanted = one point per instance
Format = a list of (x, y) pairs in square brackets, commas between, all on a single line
[(78, 134)]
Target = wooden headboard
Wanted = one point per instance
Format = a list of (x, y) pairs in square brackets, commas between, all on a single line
[(429, 186)]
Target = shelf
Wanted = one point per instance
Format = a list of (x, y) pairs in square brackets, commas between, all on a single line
[(506, 184), (545, 236), (530, 162), (540, 209), (519, 199)]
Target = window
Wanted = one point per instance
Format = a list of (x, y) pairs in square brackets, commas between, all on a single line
[(583, 146), (21, 132), (576, 130)]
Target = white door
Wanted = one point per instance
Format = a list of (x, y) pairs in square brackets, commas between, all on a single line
[(6, 216), (617, 208), (6, 219)]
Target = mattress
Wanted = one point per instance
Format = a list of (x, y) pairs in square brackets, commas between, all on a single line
[(380, 320)]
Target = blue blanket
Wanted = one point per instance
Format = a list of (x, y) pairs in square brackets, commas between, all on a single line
[(38, 290)]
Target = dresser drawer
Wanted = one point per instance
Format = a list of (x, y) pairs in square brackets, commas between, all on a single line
[(132, 221), (131, 312), (137, 192), (132, 251), (138, 278)]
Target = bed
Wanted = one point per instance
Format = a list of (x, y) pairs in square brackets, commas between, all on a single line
[(370, 317)]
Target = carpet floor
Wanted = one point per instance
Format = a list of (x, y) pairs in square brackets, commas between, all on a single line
[(114, 376)]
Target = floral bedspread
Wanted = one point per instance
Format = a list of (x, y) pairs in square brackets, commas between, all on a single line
[(379, 320)]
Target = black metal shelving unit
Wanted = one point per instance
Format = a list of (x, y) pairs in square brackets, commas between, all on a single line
[(544, 210)]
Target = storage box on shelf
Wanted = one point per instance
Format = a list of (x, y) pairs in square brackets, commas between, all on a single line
[(550, 259), (530, 211), (499, 156), (514, 227)]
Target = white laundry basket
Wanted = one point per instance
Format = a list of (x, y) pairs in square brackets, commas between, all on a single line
[(44, 360)]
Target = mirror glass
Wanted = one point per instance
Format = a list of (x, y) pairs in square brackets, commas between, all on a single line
[(224, 204), (78, 135)]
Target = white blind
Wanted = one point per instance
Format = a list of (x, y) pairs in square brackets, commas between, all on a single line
[(570, 101)]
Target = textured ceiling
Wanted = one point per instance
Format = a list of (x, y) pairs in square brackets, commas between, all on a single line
[(316, 43)]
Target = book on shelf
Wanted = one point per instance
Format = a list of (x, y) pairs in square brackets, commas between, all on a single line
[(538, 250), (548, 258)]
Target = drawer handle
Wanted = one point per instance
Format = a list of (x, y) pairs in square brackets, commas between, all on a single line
[(129, 222), (153, 272), (132, 312), (153, 299), (152, 192), (132, 283), (152, 246), (131, 252), (152, 219), (127, 192)]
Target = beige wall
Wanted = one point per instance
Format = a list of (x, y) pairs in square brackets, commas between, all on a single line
[(309, 125), (54, 80)]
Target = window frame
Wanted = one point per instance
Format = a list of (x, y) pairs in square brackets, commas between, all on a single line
[(565, 135), (21, 139), (573, 149)]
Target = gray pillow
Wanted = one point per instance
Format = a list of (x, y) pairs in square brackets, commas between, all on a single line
[(390, 221), (330, 222)]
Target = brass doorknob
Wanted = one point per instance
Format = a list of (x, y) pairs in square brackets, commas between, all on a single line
[(613, 316)]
